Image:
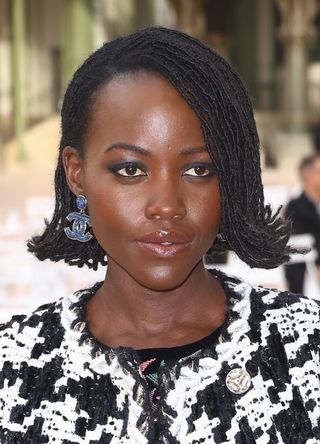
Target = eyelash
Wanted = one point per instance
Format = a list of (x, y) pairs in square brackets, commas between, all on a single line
[(206, 166), (126, 165), (115, 169)]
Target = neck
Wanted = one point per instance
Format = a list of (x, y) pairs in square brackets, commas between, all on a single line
[(124, 313)]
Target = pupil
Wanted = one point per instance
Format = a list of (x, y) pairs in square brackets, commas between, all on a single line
[(131, 171), (200, 170)]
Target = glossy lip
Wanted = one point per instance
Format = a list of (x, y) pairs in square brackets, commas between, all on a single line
[(154, 243)]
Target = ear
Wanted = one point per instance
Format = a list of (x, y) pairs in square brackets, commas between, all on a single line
[(73, 167)]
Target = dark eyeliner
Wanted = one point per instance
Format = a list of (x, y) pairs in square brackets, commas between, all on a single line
[(114, 168), (209, 166)]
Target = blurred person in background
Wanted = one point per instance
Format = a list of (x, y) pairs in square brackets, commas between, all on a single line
[(304, 212), (158, 166), (316, 136)]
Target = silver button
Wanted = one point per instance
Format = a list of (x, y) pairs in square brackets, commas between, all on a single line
[(238, 381)]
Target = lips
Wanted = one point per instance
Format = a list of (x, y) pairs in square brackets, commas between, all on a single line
[(163, 236), (164, 243)]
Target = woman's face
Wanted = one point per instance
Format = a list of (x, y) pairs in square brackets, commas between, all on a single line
[(152, 190)]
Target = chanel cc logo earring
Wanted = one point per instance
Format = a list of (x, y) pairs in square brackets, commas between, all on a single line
[(80, 222)]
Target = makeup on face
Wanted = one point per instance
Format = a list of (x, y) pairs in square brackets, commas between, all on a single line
[(152, 188)]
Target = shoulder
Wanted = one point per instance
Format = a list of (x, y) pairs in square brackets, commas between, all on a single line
[(299, 203), (267, 298), (293, 204), (32, 320), (265, 307), (278, 328), (273, 299), (291, 315), (44, 331), (31, 334)]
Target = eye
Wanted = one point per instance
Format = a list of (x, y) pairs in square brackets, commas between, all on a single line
[(199, 171), (131, 171), (127, 170)]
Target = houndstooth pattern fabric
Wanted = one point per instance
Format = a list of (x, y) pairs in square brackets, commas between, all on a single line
[(59, 385)]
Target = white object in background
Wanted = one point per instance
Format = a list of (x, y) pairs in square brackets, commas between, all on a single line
[(276, 195), (273, 278), (13, 225), (36, 210)]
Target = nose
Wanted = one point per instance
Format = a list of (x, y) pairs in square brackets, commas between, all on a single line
[(165, 201)]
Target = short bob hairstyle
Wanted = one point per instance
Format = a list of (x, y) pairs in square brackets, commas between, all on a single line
[(214, 90)]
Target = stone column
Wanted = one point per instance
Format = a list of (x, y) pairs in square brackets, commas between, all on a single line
[(265, 74), (143, 13), (99, 31), (190, 17), (5, 73), (245, 43), (18, 73), (265, 79), (295, 32), (77, 35), (40, 86)]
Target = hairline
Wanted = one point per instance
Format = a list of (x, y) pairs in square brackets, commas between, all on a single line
[(127, 73)]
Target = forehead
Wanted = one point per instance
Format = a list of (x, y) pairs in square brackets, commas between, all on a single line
[(141, 90), (143, 105)]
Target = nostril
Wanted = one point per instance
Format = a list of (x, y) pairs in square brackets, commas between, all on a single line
[(166, 212), (165, 200)]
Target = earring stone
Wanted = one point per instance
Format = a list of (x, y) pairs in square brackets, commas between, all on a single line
[(80, 222)]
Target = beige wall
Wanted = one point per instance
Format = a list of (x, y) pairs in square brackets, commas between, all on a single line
[(43, 33), (41, 48)]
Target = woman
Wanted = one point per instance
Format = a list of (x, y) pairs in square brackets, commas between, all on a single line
[(159, 166)]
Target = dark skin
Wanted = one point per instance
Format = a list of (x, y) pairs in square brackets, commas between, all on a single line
[(170, 185)]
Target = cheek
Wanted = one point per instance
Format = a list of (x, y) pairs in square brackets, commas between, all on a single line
[(116, 216), (208, 210), (206, 217), (113, 214)]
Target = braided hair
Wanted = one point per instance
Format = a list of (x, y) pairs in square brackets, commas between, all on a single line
[(215, 92)]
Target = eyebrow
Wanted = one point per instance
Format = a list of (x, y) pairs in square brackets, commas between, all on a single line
[(193, 150), (128, 147), (145, 152)]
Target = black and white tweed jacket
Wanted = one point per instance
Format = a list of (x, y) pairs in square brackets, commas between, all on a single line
[(258, 384)]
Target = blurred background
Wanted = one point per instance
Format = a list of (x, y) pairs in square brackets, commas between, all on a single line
[(274, 44)]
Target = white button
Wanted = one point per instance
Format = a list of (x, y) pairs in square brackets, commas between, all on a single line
[(238, 381)]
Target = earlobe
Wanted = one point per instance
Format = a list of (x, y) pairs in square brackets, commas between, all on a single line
[(72, 164)]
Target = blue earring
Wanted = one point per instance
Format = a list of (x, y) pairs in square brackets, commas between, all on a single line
[(80, 222)]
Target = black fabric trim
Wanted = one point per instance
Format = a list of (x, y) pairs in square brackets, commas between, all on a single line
[(180, 351)]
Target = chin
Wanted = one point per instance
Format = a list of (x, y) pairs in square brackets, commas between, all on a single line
[(164, 278)]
